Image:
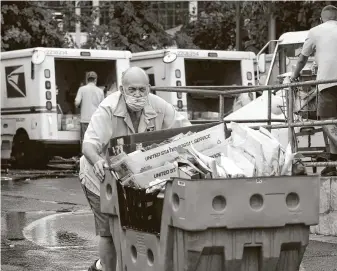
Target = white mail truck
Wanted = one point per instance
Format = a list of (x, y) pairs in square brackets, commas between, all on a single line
[(181, 67), (38, 88)]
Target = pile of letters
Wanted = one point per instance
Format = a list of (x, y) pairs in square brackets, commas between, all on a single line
[(204, 155)]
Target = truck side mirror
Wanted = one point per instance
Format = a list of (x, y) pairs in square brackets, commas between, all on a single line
[(169, 58), (261, 62)]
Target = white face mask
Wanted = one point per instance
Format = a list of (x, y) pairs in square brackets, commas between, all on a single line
[(134, 103)]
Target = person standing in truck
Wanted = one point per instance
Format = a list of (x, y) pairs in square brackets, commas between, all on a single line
[(323, 40), (88, 99), (131, 110)]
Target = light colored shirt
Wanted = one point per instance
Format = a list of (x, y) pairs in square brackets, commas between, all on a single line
[(111, 119), (89, 97), (323, 40)]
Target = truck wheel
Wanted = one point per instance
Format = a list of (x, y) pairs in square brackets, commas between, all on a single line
[(27, 154), (41, 158), (20, 150)]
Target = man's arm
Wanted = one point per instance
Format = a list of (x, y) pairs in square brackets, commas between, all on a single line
[(78, 98), (302, 60), (97, 135), (308, 48), (90, 151), (173, 119)]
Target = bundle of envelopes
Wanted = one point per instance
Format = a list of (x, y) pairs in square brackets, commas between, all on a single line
[(204, 155)]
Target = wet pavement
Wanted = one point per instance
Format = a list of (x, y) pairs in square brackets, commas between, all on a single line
[(46, 225), (68, 230), (48, 241)]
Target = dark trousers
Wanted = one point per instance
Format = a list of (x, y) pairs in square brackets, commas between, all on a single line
[(327, 110)]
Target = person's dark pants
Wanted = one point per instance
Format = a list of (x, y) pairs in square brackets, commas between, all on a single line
[(326, 110)]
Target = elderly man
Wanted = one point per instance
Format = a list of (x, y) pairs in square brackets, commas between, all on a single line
[(323, 40), (131, 110)]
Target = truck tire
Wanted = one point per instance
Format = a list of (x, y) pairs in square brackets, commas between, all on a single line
[(26, 154), (19, 150)]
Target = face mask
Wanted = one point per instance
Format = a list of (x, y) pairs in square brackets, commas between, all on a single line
[(135, 104)]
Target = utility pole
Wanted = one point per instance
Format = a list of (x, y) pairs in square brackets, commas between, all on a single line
[(271, 28), (238, 26), (95, 3), (78, 24), (193, 10)]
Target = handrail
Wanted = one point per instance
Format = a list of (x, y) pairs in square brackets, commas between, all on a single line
[(223, 91), (258, 57), (245, 89), (212, 87), (253, 121), (198, 90), (264, 48), (292, 125), (272, 63)]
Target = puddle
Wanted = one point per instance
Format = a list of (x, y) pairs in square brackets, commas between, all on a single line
[(65, 230)]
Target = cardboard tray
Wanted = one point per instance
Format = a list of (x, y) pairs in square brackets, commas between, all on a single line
[(130, 143)]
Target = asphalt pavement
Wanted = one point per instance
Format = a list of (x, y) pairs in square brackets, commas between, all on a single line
[(46, 225)]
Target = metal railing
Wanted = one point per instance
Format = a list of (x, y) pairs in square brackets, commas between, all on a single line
[(230, 91)]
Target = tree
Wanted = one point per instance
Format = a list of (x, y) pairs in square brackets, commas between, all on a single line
[(26, 24), (214, 28), (132, 27), (290, 16), (184, 41)]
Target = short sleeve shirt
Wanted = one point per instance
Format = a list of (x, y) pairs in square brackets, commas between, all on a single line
[(111, 119), (90, 96), (322, 39)]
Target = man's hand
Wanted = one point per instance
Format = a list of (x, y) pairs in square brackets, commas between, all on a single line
[(294, 78), (99, 168)]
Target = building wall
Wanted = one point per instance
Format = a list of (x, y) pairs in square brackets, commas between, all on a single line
[(171, 14)]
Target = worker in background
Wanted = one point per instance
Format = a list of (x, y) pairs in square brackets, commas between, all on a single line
[(131, 110), (88, 98), (323, 40)]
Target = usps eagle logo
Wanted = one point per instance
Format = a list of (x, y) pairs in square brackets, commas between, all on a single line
[(15, 82)]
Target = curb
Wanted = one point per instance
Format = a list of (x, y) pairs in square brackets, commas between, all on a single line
[(328, 208), (38, 176), (323, 238)]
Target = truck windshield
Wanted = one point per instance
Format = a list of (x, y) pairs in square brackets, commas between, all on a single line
[(210, 73)]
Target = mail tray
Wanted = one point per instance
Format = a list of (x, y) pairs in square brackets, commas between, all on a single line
[(129, 143)]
